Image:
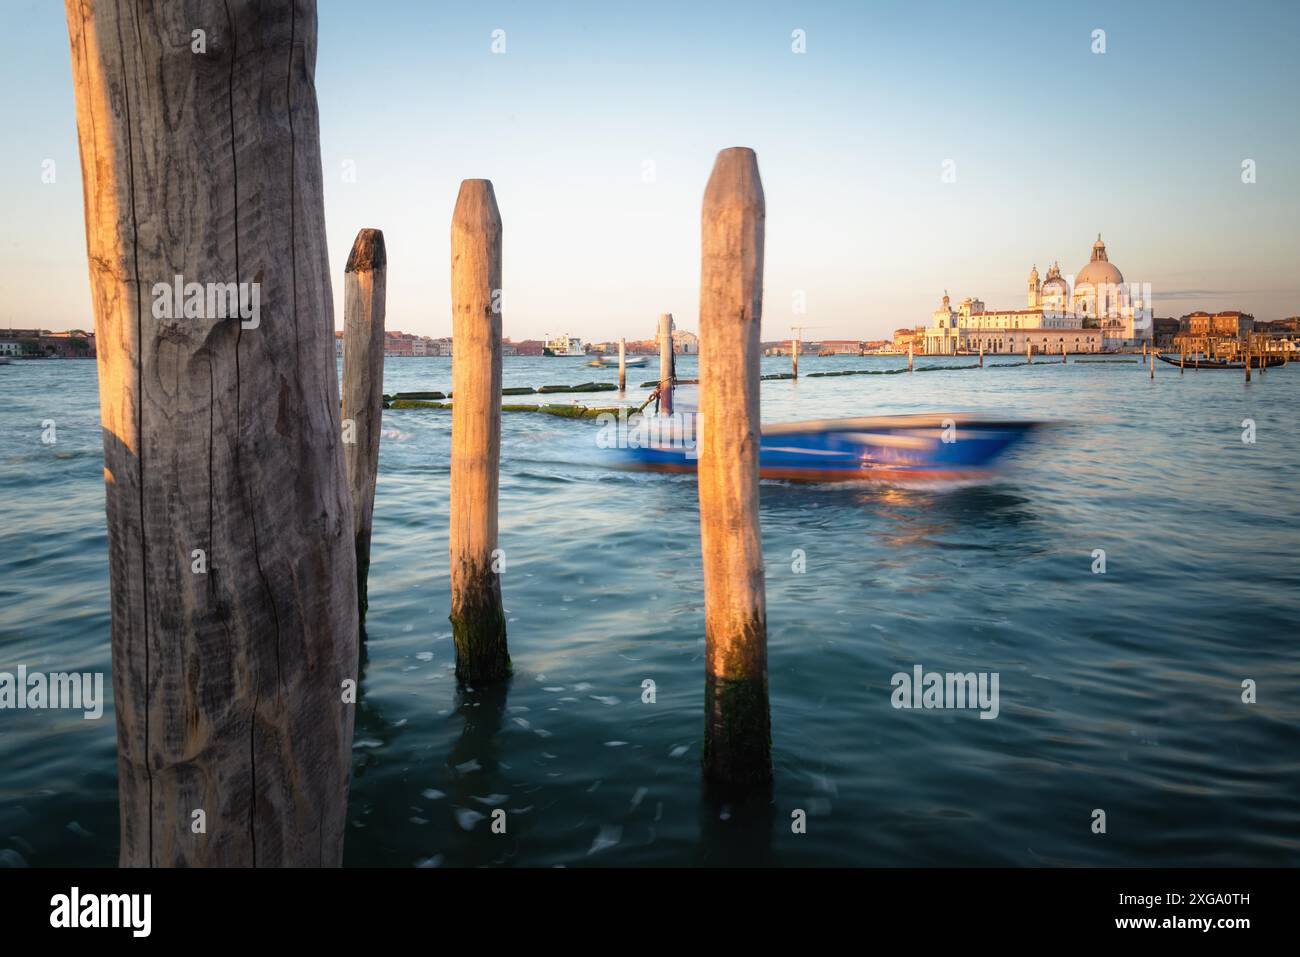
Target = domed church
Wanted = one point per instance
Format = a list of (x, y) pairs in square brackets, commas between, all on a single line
[(1099, 312)]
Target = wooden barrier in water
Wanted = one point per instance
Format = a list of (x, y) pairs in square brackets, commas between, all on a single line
[(666, 364), (364, 289), (737, 724), (478, 622), (231, 561)]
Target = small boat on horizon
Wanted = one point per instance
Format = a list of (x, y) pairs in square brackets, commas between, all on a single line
[(564, 347), (630, 362)]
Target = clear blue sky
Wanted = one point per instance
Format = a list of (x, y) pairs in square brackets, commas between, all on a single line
[(1051, 144)]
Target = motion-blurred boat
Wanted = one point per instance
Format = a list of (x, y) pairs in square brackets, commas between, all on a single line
[(630, 362), (882, 448)]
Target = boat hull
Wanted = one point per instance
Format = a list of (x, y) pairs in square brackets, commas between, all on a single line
[(891, 448), (1192, 363)]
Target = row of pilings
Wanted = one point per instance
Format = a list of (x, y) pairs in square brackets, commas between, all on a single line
[(240, 493)]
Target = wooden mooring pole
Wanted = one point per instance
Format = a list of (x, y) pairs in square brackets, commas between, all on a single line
[(909, 357), (794, 357), (1029, 351), (478, 621), (666, 364), (364, 284), (737, 722), (1063, 358), (231, 561), (981, 353), (1153, 360), (622, 364)]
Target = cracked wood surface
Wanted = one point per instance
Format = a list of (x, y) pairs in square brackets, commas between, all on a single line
[(364, 287), (227, 684)]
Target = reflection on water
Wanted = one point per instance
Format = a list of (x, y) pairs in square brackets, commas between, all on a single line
[(1119, 691)]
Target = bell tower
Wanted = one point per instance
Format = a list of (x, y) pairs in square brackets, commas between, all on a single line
[(1035, 287)]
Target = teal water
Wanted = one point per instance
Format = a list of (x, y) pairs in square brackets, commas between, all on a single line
[(1119, 691)]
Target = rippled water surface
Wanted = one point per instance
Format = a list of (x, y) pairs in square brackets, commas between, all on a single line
[(1119, 691)]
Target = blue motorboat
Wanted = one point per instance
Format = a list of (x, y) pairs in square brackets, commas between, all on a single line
[(882, 448)]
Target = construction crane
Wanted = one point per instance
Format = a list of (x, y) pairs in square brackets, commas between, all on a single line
[(795, 343)]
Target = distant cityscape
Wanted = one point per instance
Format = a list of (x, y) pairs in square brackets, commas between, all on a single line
[(1165, 333)]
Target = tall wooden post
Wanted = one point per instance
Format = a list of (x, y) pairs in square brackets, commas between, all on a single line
[(622, 365), (364, 284), (981, 353), (231, 560), (1063, 359), (666, 364), (1029, 351), (794, 356), (1182, 359), (737, 722), (1153, 360), (1247, 364), (478, 622), (909, 357)]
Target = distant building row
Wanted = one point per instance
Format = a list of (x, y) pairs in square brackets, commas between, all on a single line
[(406, 344), (41, 343)]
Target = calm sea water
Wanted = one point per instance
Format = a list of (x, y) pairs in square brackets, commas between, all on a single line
[(1119, 691)]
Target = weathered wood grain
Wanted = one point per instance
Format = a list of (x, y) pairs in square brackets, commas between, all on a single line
[(364, 287), (477, 619), (218, 439), (737, 730)]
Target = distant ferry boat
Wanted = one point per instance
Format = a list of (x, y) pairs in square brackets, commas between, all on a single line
[(563, 346)]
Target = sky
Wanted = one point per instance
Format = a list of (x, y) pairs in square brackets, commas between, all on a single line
[(599, 123)]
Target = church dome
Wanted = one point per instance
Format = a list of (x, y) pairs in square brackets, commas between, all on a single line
[(1054, 285), (1100, 271)]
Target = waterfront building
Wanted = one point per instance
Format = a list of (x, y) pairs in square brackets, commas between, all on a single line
[(72, 344), (911, 337), (1229, 324), (685, 343), (1099, 312), (841, 347)]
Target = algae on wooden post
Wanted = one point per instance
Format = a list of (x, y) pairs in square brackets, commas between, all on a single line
[(364, 284), (478, 622), (737, 724)]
